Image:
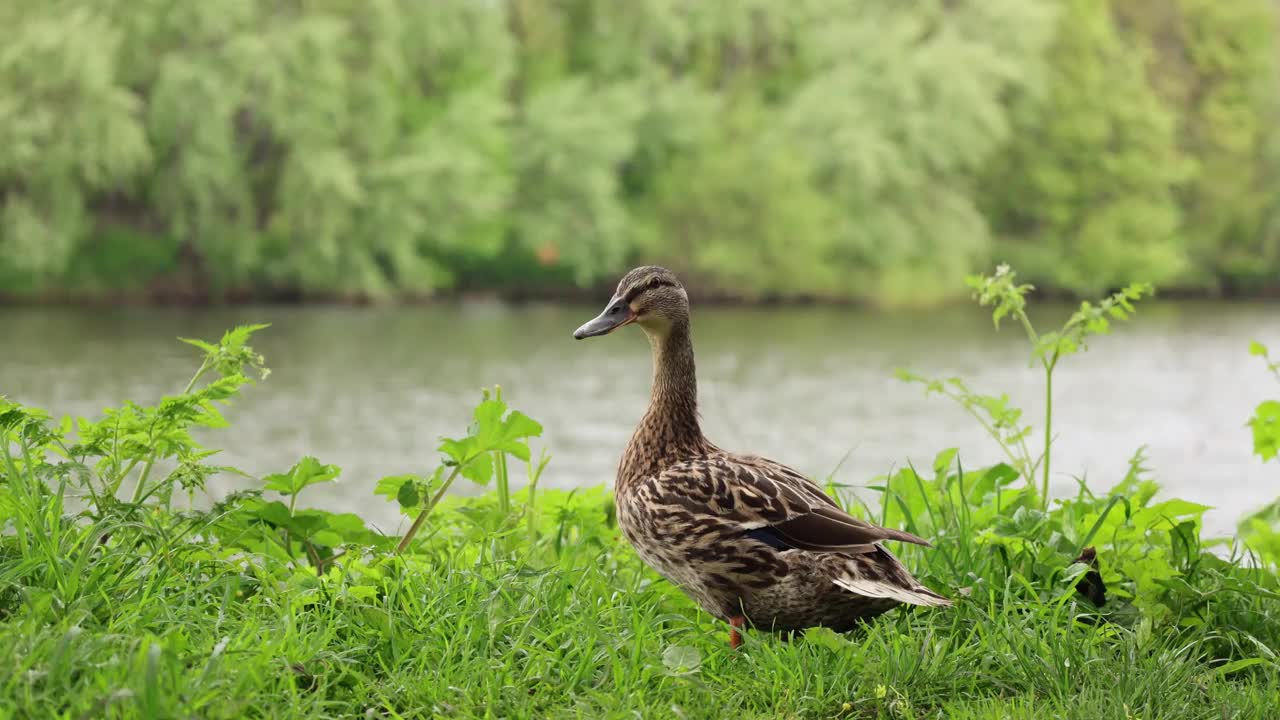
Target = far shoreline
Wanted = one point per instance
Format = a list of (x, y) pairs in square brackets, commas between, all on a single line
[(173, 296)]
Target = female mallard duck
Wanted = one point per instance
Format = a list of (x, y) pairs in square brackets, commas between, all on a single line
[(750, 540)]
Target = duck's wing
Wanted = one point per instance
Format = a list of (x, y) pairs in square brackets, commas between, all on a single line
[(768, 502)]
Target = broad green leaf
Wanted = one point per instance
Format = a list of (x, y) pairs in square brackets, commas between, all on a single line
[(274, 512), (488, 418), (519, 425), (399, 488), (355, 533), (349, 526), (681, 659), (408, 495), (459, 451), (307, 522), (943, 461), (1176, 507), (829, 639), (490, 432), (327, 538), (308, 471), (1074, 571), (1266, 430), (479, 470), (1001, 474)]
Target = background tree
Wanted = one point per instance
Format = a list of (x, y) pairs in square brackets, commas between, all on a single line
[(870, 151)]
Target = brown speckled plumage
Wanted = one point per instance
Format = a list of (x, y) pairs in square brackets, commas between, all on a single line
[(742, 535)]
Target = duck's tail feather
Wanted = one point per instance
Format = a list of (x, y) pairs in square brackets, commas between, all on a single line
[(880, 575), (904, 536), (917, 595)]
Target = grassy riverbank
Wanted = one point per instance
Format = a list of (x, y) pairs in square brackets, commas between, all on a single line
[(117, 600), (500, 629)]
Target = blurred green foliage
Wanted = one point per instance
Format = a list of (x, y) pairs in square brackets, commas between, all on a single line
[(866, 150)]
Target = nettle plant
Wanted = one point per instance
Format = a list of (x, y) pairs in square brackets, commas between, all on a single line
[(102, 458), (1002, 420), (75, 489), (997, 529)]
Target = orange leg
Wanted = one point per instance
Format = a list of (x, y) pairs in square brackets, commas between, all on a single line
[(735, 637)]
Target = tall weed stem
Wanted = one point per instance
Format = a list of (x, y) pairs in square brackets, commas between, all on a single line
[(1045, 459), (426, 510)]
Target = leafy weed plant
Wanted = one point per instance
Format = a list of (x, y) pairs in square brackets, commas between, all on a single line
[(1261, 530)]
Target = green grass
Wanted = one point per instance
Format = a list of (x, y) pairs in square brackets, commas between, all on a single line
[(468, 629), (528, 604)]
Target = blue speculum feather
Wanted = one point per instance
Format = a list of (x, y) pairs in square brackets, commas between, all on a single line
[(770, 537)]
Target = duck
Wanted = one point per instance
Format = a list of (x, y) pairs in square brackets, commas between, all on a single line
[(753, 542)]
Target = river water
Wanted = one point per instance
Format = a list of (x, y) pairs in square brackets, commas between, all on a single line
[(373, 389)]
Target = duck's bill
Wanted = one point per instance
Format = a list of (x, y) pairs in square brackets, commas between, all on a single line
[(604, 323)]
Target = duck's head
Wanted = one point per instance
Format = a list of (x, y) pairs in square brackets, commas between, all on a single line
[(649, 296)]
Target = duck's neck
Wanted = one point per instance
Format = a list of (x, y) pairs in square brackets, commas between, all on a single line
[(669, 430), (673, 404)]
